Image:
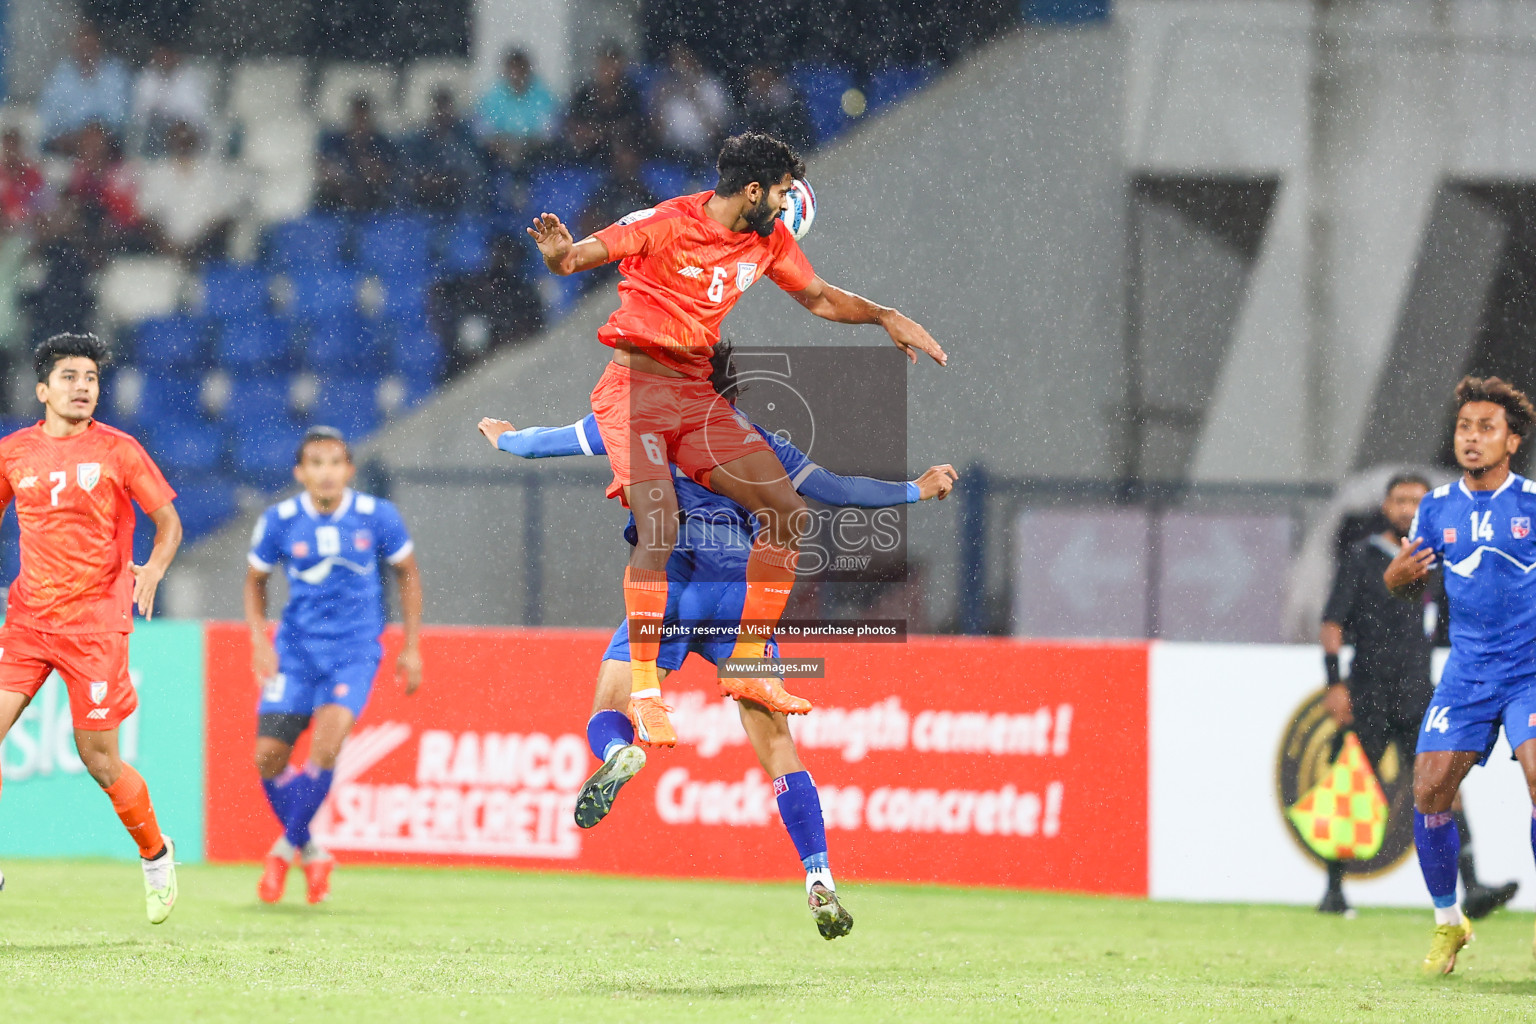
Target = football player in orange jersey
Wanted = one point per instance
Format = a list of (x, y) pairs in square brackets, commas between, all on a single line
[(71, 607), (685, 263)]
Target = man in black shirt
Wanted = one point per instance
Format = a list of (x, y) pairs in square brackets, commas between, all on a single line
[(1389, 687)]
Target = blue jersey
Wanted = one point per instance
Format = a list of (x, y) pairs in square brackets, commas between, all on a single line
[(333, 562), (1484, 543)]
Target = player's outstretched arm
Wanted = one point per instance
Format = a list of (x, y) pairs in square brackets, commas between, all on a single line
[(844, 307), (866, 492), (562, 254), (408, 665), (147, 577), (580, 438), (263, 655)]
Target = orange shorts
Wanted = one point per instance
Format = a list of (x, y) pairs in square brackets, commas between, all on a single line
[(650, 423), (94, 667)]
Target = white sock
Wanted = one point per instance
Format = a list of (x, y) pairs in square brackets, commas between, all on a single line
[(157, 872), (313, 851), (282, 849), (824, 877), (612, 746), (1448, 915)]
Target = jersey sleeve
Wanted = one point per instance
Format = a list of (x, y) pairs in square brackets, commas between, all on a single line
[(1424, 529), (143, 479), (266, 545), (1346, 584), (634, 235), (829, 488), (580, 438), (790, 270), (394, 539)]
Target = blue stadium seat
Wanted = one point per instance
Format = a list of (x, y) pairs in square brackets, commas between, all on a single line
[(892, 84), (563, 191), (316, 238), (394, 242), (253, 399), (172, 342), (418, 356), (263, 450), (405, 295), (205, 503), (342, 342), (322, 290), (466, 245), (234, 289), (185, 445), (350, 404), (249, 345), (823, 86), (668, 179), (170, 396)]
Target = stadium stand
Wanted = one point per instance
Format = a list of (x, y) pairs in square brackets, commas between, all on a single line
[(354, 313)]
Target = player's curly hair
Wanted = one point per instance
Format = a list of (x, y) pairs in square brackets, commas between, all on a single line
[(754, 156), (1518, 411), (64, 346)]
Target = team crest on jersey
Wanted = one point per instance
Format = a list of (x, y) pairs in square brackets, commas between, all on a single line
[(746, 273), (638, 215), (88, 475), (301, 549), (98, 692), (1520, 527), (363, 540), (1448, 535)]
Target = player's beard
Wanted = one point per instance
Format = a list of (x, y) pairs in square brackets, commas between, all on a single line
[(761, 217)]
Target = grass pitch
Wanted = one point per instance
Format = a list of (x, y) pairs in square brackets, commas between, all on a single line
[(430, 945)]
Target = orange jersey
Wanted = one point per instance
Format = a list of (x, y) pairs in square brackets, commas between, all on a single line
[(73, 504), (682, 272)]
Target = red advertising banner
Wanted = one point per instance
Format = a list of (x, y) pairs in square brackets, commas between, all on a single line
[(971, 761)]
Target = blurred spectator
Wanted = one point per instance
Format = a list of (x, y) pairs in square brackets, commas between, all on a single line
[(88, 87), (15, 248), (357, 167), (690, 108), (169, 91), (103, 191), (59, 297), (773, 106), (22, 187), (496, 307), (606, 108), (517, 111), (191, 199), (446, 166), (620, 194)]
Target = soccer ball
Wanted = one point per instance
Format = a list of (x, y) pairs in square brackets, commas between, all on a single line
[(800, 212)]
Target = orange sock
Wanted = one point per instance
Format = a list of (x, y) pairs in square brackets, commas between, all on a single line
[(130, 799), (770, 578), (645, 606)]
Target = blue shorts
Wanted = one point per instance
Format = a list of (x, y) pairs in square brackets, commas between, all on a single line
[(316, 671), (712, 610), (1466, 716)]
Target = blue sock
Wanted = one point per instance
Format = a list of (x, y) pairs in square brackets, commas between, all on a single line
[(800, 808), (1533, 831), (309, 790), (1439, 846), (279, 794), (607, 729)]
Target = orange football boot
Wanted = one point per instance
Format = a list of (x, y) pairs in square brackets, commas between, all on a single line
[(317, 876), (274, 878), (652, 726), (765, 690)]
